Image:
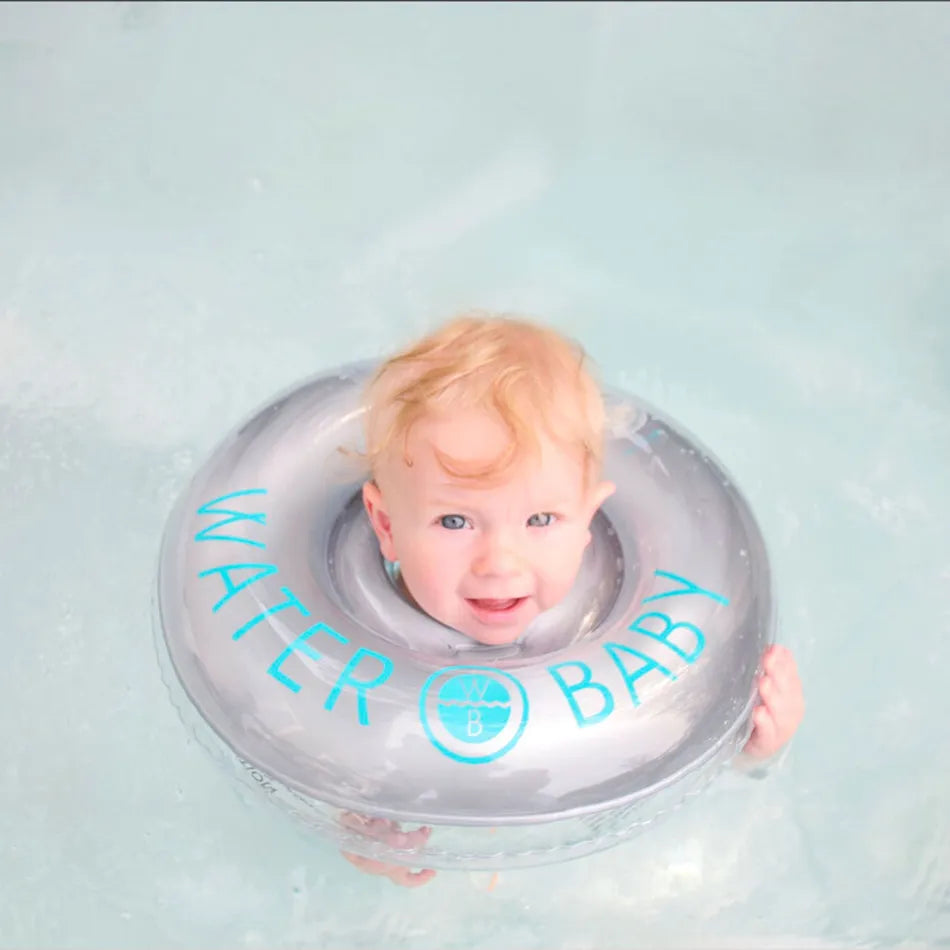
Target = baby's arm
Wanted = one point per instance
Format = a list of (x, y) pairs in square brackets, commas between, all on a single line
[(780, 713)]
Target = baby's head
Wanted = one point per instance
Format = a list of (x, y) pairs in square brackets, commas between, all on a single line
[(485, 444)]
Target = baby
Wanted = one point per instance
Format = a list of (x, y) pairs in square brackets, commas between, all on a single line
[(485, 444)]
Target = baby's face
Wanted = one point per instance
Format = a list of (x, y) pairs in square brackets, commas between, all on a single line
[(485, 559)]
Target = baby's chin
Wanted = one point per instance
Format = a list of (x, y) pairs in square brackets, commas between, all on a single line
[(495, 631), (494, 638)]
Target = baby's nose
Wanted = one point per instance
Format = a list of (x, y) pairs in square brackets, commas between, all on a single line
[(497, 556)]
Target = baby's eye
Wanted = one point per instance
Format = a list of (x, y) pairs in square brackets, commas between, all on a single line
[(453, 522), (541, 520)]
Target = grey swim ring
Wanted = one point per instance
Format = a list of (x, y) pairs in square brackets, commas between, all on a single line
[(292, 654)]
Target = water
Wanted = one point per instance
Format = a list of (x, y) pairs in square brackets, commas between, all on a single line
[(743, 213)]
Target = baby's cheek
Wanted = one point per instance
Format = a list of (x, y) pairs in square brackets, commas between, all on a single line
[(559, 580), (572, 567), (567, 556), (441, 568)]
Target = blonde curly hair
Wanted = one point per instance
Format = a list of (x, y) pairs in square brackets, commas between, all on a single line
[(529, 376)]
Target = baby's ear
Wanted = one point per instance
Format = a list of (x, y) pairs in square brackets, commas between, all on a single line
[(379, 519), (595, 498), (599, 494)]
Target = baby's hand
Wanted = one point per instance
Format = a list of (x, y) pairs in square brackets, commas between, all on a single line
[(390, 832), (782, 708)]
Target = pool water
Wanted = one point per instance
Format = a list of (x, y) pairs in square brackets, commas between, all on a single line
[(742, 212)]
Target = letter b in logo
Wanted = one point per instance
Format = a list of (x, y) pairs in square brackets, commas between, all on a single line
[(474, 707), (473, 713)]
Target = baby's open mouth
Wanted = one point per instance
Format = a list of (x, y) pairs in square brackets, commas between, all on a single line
[(495, 605)]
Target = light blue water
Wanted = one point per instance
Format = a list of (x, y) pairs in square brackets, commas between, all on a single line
[(744, 213)]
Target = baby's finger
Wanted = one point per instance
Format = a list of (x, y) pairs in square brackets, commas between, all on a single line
[(787, 705), (350, 819), (764, 738), (372, 827), (769, 691), (790, 710), (367, 865), (780, 665), (381, 828), (406, 878), (385, 830), (407, 839), (785, 708)]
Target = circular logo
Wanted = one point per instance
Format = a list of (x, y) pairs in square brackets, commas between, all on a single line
[(473, 713)]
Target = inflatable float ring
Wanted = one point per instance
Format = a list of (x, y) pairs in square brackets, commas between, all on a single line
[(290, 650)]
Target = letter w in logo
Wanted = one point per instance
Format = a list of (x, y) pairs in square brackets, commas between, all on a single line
[(475, 687)]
